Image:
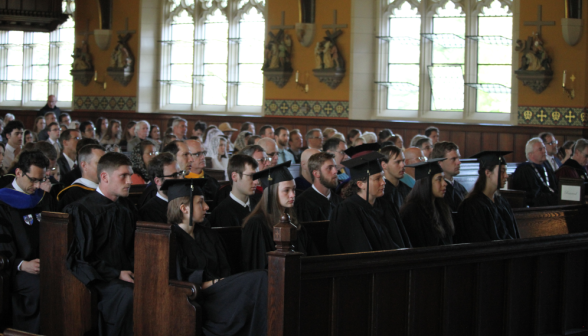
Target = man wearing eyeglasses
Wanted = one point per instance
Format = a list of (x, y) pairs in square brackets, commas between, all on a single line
[(12, 132), (88, 130), (67, 160), (197, 166), (411, 155), (550, 150), (272, 151), (314, 139), (161, 168), (21, 204), (54, 132), (455, 192), (574, 166), (88, 157)]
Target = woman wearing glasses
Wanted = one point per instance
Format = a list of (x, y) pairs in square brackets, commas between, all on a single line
[(142, 154)]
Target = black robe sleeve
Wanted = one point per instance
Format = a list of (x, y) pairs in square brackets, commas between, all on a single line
[(419, 226), (537, 194), (256, 241), (155, 210)]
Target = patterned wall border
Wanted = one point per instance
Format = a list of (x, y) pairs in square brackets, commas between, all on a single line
[(306, 108), (552, 116), (105, 103)]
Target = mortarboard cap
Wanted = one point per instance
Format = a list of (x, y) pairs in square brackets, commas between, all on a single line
[(271, 176), (364, 166), (353, 151), (491, 158), (184, 188), (427, 168)]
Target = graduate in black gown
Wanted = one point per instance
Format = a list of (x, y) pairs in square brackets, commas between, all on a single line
[(393, 167), (162, 167), (366, 221), (21, 204), (425, 214), (232, 304), (278, 197), (233, 209), (101, 253), (485, 215), (320, 200), (455, 192), (88, 158)]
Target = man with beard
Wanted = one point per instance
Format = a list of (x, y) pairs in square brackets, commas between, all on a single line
[(318, 202), (393, 166), (456, 192), (163, 167), (281, 137)]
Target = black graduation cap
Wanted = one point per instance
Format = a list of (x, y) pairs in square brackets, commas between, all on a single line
[(184, 188), (270, 176), (362, 148), (364, 166), (491, 158), (427, 168)]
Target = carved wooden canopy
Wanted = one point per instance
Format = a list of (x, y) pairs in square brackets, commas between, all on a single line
[(31, 15)]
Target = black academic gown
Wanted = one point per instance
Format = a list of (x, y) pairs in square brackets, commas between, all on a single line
[(454, 195), (419, 228), (222, 194), (71, 177), (482, 220), (534, 183), (19, 241), (64, 167), (257, 239), (236, 305), (148, 193), (302, 184), (6, 180), (155, 210), (357, 226), (230, 213), (71, 194), (103, 246), (312, 206), (210, 189), (397, 194)]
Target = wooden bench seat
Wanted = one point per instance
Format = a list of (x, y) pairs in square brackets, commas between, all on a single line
[(552, 220)]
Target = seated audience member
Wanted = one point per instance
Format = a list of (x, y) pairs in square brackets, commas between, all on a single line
[(365, 221), (67, 159), (337, 147), (197, 165), (304, 181), (266, 131), (416, 138), (228, 134), (208, 130), (8, 117), (319, 202), (29, 137), (384, 134), (142, 154), (455, 192), (88, 130), (248, 126), (39, 124), (271, 149), (432, 133), (21, 204), (339, 136), (396, 139), (163, 167), (328, 132), (199, 128), (232, 304), (532, 177), (485, 215), (241, 141), (253, 140), (393, 166), (76, 173), (424, 144), (54, 133), (278, 198), (141, 134), (129, 133), (101, 253), (49, 118), (314, 139), (167, 139), (155, 135), (112, 134), (2, 149), (574, 167), (357, 142), (218, 152), (352, 136), (13, 133), (551, 160), (233, 209), (281, 139), (88, 158), (426, 216), (565, 151), (295, 144), (50, 153), (101, 127), (50, 106), (64, 118), (369, 138), (179, 128)]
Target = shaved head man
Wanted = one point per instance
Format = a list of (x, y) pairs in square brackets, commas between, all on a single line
[(411, 155), (304, 181), (271, 149)]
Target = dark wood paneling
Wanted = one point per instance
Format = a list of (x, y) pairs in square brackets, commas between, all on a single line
[(459, 300), (491, 298), (473, 144), (521, 290), (549, 294), (316, 316), (575, 310), (489, 141), (352, 291), (459, 139), (426, 300), (520, 140), (391, 314)]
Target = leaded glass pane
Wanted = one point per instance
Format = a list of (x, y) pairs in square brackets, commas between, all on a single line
[(251, 30), (215, 59)]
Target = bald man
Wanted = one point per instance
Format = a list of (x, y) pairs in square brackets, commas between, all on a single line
[(271, 149), (411, 155), (304, 181)]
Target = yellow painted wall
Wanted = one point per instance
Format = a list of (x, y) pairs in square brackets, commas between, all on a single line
[(303, 57), (88, 10), (565, 57)]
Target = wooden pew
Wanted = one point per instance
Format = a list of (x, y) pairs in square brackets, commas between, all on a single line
[(5, 293), (520, 287), (552, 220), (469, 172), (68, 308), (161, 306), (217, 174), (14, 332)]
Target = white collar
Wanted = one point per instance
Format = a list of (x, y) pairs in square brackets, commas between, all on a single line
[(16, 187), (450, 182), (99, 191), (243, 204), (161, 196), (10, 148), (53, 142), (69, 161), (86, 182), (328, 196)]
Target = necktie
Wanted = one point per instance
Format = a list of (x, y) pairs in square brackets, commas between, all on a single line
[(553, 164), (282, 156)]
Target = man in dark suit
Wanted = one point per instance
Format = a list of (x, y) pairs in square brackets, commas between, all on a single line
[(551, 162), (67, 160), (51, 106)]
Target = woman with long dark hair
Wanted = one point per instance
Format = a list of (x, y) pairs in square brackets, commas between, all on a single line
[(278, 197), (113, 134), (485, 215), (101, 127), (425, 214)]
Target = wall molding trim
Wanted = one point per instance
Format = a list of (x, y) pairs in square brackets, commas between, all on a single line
[(107, 103), (552, 116)]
